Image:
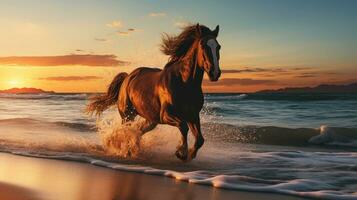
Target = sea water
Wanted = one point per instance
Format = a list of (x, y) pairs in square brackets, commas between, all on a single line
[(295, 144)]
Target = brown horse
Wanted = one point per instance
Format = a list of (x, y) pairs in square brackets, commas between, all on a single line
[(172, 95)]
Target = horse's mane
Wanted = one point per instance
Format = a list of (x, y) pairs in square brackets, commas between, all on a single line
[(176, 46)]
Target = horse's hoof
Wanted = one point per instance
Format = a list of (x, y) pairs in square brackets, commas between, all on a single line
[(181, 156)]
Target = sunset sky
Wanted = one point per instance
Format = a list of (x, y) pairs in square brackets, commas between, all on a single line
[(79, 46)]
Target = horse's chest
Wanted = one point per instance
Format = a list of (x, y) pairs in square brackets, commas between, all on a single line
[(191, 103)]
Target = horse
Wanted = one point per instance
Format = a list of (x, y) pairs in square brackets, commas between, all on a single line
[(172, 95)]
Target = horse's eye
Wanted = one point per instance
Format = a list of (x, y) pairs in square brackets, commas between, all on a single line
[(219, 47)]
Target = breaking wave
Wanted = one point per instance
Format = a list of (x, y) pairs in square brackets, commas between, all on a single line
[(272, 135), (111, 127)]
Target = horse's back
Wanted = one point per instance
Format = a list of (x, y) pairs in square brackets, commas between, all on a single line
[(144, 79), (140, 89), (142, 70)]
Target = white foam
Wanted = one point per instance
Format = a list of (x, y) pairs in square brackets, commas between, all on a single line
[(295, 187), (226, 97), (328, 137), (242, 96)]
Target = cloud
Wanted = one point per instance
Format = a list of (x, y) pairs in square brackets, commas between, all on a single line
[(239, 81), (64, 60), (157, 14), (115, 24), (123, 33), (306, 76), (259, 70), (250, 70), (301, 68), (70, 78), (128, 32), (100, 39), (314, 74), (180, 23)]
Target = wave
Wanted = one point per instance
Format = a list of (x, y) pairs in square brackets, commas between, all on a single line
[(81, 96), (282, 96), (82, 127), (225, 133), (225, 96), (300, 96), (272, 135)]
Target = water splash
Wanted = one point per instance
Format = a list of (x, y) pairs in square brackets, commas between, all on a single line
[(127, 141), (118, 139)]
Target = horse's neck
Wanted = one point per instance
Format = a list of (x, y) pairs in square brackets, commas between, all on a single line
[(191, 72)]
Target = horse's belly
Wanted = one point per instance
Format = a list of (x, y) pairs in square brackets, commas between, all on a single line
[(143, 95), (148, 109)]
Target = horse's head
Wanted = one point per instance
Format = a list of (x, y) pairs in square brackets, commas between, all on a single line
[(208, 52)]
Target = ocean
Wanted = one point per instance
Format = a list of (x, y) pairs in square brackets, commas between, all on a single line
[(295, 144)]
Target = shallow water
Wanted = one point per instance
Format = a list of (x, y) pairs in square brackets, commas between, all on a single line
[(302, 145)]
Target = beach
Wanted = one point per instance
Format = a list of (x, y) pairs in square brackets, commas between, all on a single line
[(36, 178), (52, 150)]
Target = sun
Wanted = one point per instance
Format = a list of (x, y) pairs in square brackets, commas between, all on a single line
[(14, 83)]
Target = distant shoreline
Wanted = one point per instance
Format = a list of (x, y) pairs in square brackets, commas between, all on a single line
[(26, 90), (324, 88)]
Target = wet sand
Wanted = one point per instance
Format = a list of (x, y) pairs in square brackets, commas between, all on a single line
[(36, 178), (8, 191)]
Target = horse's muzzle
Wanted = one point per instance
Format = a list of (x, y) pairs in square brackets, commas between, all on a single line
[(213, 76)]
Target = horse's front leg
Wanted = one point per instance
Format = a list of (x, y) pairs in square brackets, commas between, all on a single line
[(195, 128), (182, 149), (167, 115)]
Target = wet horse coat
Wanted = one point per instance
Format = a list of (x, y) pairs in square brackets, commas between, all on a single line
[(172, 95)]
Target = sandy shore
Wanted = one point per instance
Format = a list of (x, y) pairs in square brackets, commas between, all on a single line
[(36, 178)]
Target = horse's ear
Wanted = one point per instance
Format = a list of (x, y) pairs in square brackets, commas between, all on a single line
[(215, 32), (198, 30)]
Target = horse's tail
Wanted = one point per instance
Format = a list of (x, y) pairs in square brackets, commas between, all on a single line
[(100, 103)]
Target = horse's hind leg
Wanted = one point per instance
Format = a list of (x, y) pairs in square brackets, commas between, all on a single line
[(147, 126), (195, 128), (126, 109), (128, 115)]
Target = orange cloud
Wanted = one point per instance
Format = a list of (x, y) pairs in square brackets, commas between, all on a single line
[(259, 70), (74, 59), (71, 78), (239, 81)]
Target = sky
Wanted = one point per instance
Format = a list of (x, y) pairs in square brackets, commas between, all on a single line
[(79, 46)]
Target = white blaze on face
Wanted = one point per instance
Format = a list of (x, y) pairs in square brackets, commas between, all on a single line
[(212, 43)]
